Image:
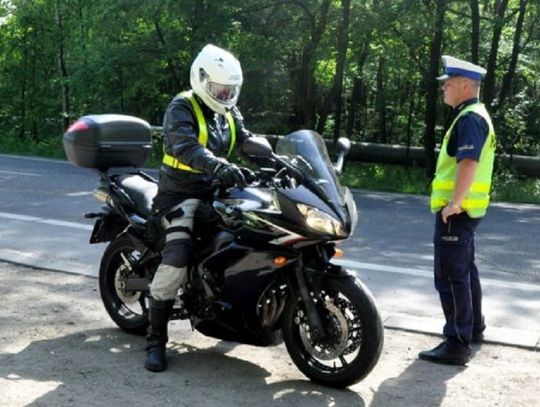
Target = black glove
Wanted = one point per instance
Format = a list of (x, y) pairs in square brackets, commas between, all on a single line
[(249, 175), (229, 175)]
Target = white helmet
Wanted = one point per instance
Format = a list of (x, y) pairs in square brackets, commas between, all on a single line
[(216, 77)]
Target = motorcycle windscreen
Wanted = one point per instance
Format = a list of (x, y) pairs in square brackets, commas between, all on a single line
[(306, 150)]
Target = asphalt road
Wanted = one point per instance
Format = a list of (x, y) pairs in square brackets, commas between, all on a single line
[(42, 203), (393, 230)]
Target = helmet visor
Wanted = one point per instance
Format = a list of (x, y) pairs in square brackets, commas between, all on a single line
[(223, 93)]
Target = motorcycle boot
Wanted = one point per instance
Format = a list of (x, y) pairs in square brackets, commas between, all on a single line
[(159, 313)]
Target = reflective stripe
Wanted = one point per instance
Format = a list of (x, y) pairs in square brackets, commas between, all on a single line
[(177, 236), (232, 128), (437, 203), (449, 186), (203, 134)]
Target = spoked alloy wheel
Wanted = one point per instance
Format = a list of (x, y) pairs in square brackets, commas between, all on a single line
[(354, 334), (126, 308)]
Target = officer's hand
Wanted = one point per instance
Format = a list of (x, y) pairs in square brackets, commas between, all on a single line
[(450, 210), (230, 175)]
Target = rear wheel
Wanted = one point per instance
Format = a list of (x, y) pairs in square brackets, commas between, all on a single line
[(127, 309), (354, 334)]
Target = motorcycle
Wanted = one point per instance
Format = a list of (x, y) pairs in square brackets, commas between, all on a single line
[(261, 269)]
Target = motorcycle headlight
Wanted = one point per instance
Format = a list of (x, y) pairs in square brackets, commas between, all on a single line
[(320, 221)]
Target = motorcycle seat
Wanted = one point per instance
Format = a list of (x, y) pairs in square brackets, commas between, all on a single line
[(140, 190)]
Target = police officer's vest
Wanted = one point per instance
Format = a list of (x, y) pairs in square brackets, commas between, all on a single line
[(477, 200), (203, 134)]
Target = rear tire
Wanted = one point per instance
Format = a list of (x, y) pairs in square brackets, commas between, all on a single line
[(127, 309), (348, 310)]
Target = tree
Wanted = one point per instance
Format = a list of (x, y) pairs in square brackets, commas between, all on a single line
[(516, 50), (498, 24), (475, 30), (334, 97), (432, 86), (305, 92), (62, 69)]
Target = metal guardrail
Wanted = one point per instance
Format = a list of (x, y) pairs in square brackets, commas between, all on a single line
[(403, 155)]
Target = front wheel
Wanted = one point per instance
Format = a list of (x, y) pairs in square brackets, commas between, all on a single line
[(354, 334), (126, 308)]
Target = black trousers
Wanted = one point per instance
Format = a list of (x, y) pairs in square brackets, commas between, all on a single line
[(456, 277)]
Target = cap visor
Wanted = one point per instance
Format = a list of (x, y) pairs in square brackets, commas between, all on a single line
[(443, 77)]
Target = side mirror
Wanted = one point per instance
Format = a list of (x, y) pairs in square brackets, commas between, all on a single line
[(257, 147), (343, 146)]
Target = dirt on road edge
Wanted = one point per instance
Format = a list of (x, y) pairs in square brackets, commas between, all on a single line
[(59, 348)]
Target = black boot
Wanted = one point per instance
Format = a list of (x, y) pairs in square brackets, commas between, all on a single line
[(159, 313)]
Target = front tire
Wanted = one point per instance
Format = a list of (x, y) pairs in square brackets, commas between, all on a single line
[(352, 348), (127, 309)]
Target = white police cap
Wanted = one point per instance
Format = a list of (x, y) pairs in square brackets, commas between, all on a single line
[(458, 67)]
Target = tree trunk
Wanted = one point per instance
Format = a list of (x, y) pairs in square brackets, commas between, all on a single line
[(489, 83), (381, 102), (475, 30), (356, 95), (335, 95), (412, 102), (516, 49), (173, 82), (432, 87), (306, 92), (343, 43), (62, 70)]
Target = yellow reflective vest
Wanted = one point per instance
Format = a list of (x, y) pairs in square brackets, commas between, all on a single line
[(172, 161), (477, 199)]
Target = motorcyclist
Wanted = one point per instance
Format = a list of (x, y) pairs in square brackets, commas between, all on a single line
[(200, 128)]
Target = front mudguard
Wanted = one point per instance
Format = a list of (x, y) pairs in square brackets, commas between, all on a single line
[(335, 271)]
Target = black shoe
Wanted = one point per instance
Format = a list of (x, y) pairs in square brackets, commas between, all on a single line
[(155, 359), (447, 354), (477, 338)]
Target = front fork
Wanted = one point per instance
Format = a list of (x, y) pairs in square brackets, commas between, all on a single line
[(313, 316)]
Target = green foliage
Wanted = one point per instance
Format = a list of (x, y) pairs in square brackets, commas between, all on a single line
[(507, 185), (382, 177), (48, 147), (132, 56), (511, 187)]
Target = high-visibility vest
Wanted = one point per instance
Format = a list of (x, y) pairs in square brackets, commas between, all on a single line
[(203, 134), (477, 199)]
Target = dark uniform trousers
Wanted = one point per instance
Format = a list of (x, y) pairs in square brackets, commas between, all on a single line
[(456, 277)]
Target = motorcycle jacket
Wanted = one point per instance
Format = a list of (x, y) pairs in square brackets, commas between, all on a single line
[(189, 157)]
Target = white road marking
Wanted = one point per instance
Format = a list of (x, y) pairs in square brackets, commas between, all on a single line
[(66, 224), (347, 263), (39, 159), (28, 174), (429, 274), (54, 222), (16, 216), (82, 193)]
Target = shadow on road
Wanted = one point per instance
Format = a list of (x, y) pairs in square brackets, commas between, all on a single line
[(104, 367), (420, 377)]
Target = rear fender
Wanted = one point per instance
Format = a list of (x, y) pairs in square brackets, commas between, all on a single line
[(107, 227)]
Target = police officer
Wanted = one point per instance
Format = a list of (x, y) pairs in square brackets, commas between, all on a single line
[(460, 197), (200, 129)]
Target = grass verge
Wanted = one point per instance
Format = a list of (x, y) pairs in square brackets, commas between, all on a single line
[(508, 186)]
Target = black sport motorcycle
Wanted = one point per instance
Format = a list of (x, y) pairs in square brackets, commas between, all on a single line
[(261, 269)]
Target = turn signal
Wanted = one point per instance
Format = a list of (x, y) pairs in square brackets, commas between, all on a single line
[(338, 253), (280, 261)]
